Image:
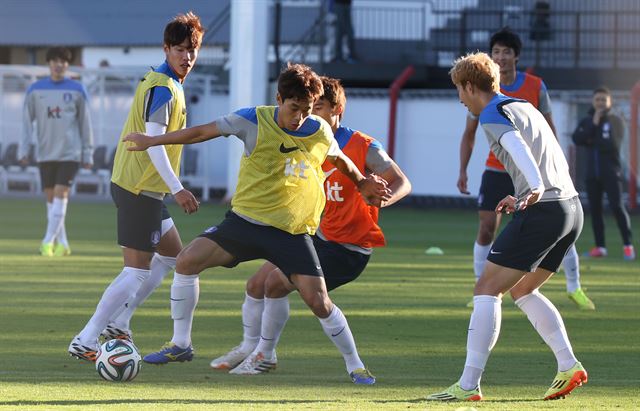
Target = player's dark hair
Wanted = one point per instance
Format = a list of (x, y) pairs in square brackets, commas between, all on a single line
[(184, 26), (602, 89), (507, 38), (298, 81), (61, 53), (333, 92)]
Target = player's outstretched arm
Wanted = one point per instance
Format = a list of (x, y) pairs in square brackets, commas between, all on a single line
[(191, 135), (373, 188)]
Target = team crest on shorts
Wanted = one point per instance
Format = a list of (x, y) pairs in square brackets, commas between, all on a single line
[(155, 237), (211, 229)]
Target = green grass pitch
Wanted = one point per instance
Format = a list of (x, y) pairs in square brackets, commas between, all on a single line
[(407, 312)]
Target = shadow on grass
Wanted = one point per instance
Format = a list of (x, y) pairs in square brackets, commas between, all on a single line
[(151, 401), (219, 402)]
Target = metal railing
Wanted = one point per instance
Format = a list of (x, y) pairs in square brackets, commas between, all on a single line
[(582, 33)]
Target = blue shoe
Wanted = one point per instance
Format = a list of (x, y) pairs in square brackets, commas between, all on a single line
[(362, 376), (169, 353)]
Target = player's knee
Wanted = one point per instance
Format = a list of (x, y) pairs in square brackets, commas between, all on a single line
[(320, 305), (256, 286), (485, 236), (188, 262), (275, 286)]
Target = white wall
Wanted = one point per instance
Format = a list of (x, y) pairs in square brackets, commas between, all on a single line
[(139, 56), (427, 138)]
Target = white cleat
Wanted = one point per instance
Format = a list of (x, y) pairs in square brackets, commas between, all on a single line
[(255, 364), (230, 360)]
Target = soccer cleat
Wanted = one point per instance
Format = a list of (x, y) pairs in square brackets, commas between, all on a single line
[(629, 253), (597, 252), (83, 352), (169, 353), (61, 251), (566, 381), (46, 249), (362, 376), (456, 393), (114, 333), (255, 364), (230, 360), (582, 301), (470, 304)]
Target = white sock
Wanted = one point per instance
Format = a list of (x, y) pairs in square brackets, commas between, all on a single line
[(338, 331), (274, 318), (160, 267), (122, 288), (61, 237), (571, 266), (185, 291), (56, 219), (49, 208), (252, 311), (548, 323), (484, 329), (480, 253)]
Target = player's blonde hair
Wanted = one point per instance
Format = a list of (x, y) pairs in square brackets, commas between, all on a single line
[(479, 70)]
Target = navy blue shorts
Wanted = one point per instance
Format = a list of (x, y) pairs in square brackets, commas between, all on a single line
[(539, 236), (339, 264), (245, 241), (495, 186), (54, 173), (139, 219)]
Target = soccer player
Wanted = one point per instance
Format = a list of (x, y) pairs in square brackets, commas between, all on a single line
[(275, 209), (548, 219), (505, 48), (149, 239), (344, 242), (60, 109)]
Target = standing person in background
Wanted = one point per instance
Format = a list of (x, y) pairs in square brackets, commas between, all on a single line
[(60, 109), (602, 132), (505, 47), (344, 28), (149, 239)]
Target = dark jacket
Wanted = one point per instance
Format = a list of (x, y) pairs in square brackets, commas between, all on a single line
[(603, 142)]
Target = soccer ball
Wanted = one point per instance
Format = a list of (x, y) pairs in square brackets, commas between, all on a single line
[(118, 360)]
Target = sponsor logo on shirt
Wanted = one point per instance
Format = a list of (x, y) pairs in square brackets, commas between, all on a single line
[(53, 112), (294, 168)]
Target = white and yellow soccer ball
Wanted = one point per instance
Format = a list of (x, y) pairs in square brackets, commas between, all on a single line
[(118, 360)]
